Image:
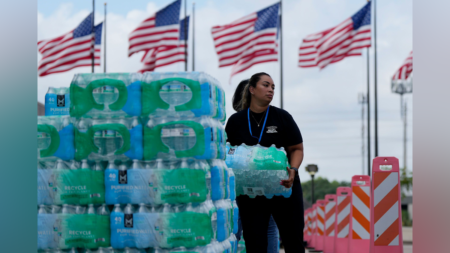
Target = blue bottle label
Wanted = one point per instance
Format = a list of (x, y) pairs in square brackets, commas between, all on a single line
[(57, 104)]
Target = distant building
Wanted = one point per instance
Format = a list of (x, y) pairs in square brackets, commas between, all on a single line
[(41, 109)]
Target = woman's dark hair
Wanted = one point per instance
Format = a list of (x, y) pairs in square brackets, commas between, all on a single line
[(237, 97), (242, 97)]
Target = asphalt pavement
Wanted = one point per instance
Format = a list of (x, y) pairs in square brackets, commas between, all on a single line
[(407, 241)]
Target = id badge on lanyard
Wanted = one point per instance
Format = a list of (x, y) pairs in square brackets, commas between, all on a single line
[(250, 126)]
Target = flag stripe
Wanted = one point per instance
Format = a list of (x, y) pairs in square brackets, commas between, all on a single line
[(336, 43), (159, 30), (71, 50), (245, 43)]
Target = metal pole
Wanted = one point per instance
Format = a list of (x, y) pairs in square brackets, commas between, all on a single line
[(193, 36), (375, 73), (93, 35), (368, 114), (185, 36), (401, 105), (312, 189), (362, 133), (281, 54), (404, 137), (104, 43)]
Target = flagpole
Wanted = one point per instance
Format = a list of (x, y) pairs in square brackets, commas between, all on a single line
[(281, 55), (193, 36), (93, 33), (185, 37), (368, 114), (375, 73), (104, 43)]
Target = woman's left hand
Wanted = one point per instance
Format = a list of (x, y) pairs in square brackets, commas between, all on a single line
[(289, 182)]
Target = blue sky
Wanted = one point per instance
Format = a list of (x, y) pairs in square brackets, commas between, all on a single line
[(323, 102)]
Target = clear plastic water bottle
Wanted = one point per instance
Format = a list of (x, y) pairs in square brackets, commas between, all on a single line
[(143, 208), (98, 166), (42, 210), (117, 208), (123, 174), (128, 209), (79, 209), (91, 209), (103, 210), (84, 165)]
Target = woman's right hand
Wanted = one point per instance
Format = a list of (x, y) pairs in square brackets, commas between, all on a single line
[(289, 182)]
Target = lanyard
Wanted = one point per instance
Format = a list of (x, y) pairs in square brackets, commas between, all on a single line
[(250, 126)]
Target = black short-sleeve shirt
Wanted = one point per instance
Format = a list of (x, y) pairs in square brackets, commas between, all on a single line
[(280, 129)]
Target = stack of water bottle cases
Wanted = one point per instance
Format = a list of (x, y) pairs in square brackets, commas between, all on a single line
[(137, 166)]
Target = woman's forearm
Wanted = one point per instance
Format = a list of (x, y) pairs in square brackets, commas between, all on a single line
[(296, 158)]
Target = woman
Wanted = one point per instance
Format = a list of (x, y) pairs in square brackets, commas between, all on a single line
[(259, 122), (272, 230)]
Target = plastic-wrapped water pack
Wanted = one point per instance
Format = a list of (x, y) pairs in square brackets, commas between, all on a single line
[(70, 182), (158, 182), (165, 226), (258, 170), (106, 95), (227, 217), (192, 94), (108, 139), (70, 226), (55, 138), (180, 137)]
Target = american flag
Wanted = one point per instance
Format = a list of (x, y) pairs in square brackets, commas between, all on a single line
[(161, 29), (405, 70), (249, 40), (71, 50), (166, 55), (334, 44)]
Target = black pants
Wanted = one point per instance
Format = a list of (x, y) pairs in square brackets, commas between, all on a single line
[(287, 213)]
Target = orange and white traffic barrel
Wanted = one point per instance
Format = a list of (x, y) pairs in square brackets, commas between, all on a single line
[(330, 220), (360, 215), (386, 216), (320, 224), (342, 219), (313, 225), (310, 228), (309, 232), (306, 224)]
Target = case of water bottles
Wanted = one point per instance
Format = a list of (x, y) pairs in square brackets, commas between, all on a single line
[(70, 182), (192, 94), (258, 170), (106, 95), (164, 226), (70, 226), (180, 137), (55, 138), (109, 138)]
